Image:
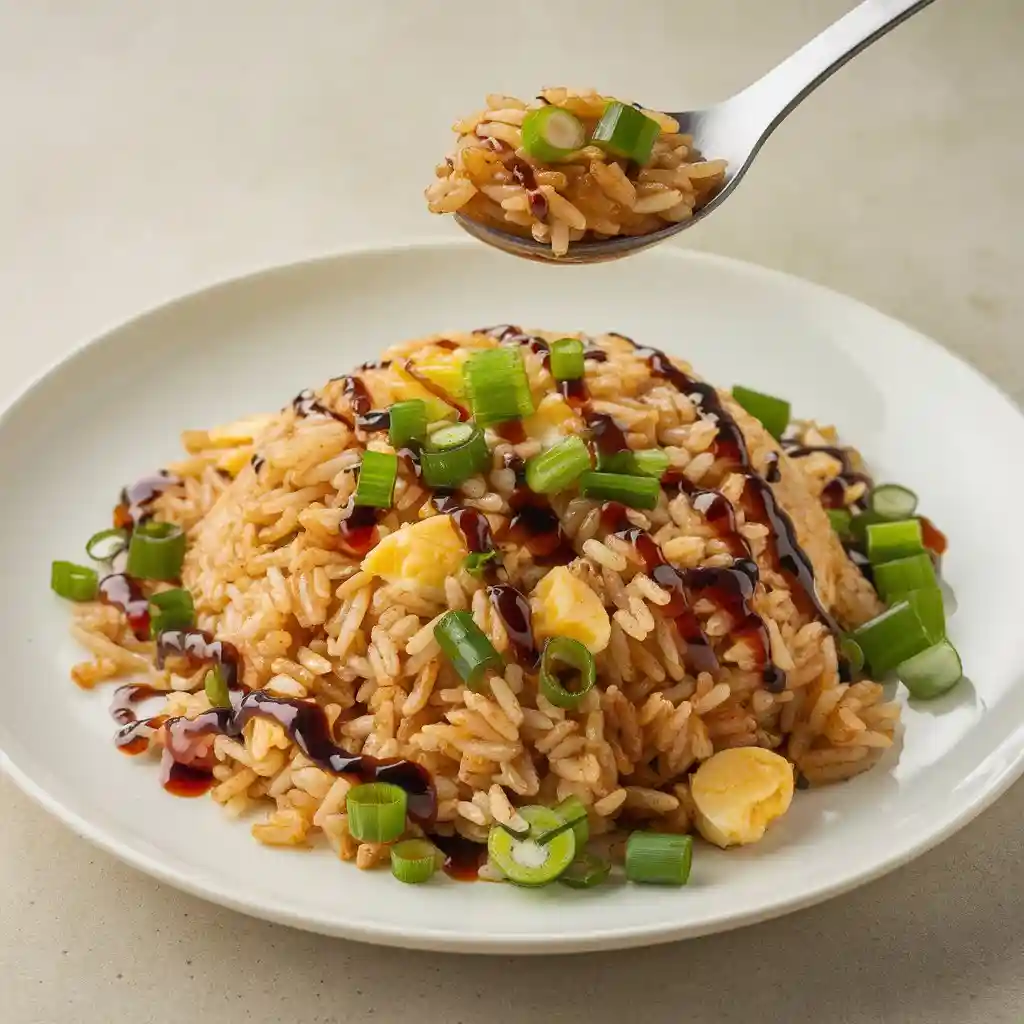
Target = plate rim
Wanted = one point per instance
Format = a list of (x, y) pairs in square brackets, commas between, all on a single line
[(1008, 755)]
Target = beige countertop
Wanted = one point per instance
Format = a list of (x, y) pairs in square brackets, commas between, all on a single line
[(154, 148)]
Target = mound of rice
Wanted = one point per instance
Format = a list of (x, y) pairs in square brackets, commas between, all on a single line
[(261, 501), (490, 178)]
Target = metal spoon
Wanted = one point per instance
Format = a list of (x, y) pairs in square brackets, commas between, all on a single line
[(735, 129)]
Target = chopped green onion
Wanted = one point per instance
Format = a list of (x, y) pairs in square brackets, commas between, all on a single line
[(658, 858), (567, 672), (413, 860), (476, 562), (74, 582), (407, 423), (840, 519), (567, 359), (896, 539), (585, 872), (156, 551), (216, 688), (850, 651), (97, 548), (454, 454), (859, 526), (376, 812), (626, 132), (893, 637), (932, 672), (463, 643), (377, 475), (771, 411), (559, 467), (634, 491), (646, 462), (175, 611), (896, 578), (572, 809), (551, 133), (927, 602), (891, 501), (498, 386), (546, 837), (527, 861)]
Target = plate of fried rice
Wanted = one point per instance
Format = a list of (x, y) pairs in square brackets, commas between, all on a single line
[(413, 597)]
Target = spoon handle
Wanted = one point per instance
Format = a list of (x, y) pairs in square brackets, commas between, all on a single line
[(772, 97)]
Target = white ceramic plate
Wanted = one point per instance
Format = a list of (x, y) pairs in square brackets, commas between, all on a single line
[(114, 410)]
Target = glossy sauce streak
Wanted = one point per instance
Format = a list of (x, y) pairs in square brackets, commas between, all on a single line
[(462, 857), (535, 526), (306, 405), (605, 434), (834, 494), (515, 613), (122, 704), (136, 500), (358, 397), (200, 648), (123, 592), (374, 421), (358, 530)]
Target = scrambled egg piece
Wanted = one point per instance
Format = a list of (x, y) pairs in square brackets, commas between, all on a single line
[(240, 432), (552, 420), (564, 605), (421, 555), (440, 367), (737, 792)]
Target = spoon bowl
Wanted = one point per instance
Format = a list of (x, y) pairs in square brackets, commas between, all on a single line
[(733, 130)]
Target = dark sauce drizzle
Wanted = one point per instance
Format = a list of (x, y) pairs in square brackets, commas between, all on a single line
[(306, 405), (124, 592), (834, 494), (136, 501), (435, 389)]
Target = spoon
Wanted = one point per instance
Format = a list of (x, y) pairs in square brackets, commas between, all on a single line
[(733, 130)]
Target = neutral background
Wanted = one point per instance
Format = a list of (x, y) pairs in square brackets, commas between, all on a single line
[(152, 148)]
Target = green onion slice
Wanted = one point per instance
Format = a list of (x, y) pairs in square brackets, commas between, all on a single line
[(771, 411), (74, 582), (646, 462), (585, 872), (840, 518), (567, 672), (175, 610), (893, 637), (626, 132), (932, 672), (216, 688), (106, 545), (527, 861), (552, 133), (572, 809), (414, 860), (892, 501), (497, 384), (859, 526), (896, 539), (559, 467), (453, 454), (546, 837), (927, 602), (156, 551), (897, 578), (476, 562), (376, 812), (658, 858), (463, 643), (377, 475), (852, 654), (407, 423), (567, 359), (634, 491)]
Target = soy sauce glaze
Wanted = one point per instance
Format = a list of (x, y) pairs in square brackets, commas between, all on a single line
[(125, 699), (358, 532), (136, 501), (124, 592), (357, 394), (307, 405), (535, 526), (462, 857), (200, 648), (834, 494), (374, 421)]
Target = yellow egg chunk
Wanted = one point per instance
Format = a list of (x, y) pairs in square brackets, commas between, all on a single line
[(239, 432), (737, 792), (236, 459), (421, 555), (564, 605), (552, 420)]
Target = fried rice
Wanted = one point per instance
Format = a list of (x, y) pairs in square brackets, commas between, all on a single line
[(587, 194), (263, 502)]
